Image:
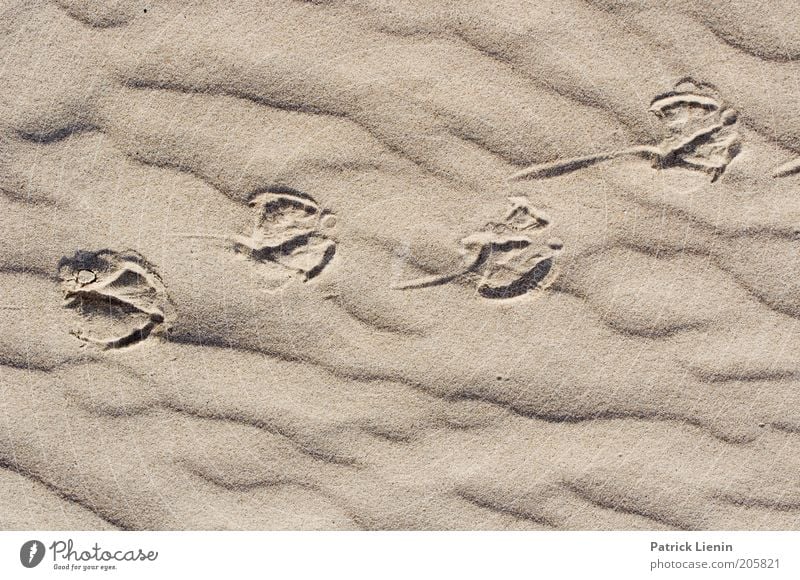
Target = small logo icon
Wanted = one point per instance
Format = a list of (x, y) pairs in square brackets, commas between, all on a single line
[(31, 553)]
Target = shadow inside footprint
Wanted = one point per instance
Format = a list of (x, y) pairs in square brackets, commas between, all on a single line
[(517, 284), (117, 295)]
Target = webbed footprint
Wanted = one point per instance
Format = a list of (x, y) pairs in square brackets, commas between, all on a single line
[(118, 297), (702, 136), (288, 237), (517, 273), (287, 240), (502, 259)]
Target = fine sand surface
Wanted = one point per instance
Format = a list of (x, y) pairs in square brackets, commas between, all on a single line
[(262, 265)]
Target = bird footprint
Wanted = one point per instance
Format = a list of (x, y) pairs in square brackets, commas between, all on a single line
[(288, 231), (288, 237), (120, 299), (702, 135), (502, 258)]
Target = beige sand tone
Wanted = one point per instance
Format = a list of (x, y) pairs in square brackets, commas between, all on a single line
[(257, 183)]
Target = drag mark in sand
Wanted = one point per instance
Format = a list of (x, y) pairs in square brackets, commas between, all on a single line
[(789, 168)]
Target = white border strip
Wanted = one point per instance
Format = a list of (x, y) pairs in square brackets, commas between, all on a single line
[(405, 555)]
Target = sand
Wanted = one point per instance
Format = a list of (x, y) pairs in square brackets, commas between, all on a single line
[(401, 265)]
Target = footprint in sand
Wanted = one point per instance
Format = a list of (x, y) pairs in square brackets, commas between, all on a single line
[(502, 259), (288, 239), (288, 232), (702, 135), (118, 296)]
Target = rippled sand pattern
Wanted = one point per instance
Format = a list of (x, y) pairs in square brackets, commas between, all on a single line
[(653, 382)]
